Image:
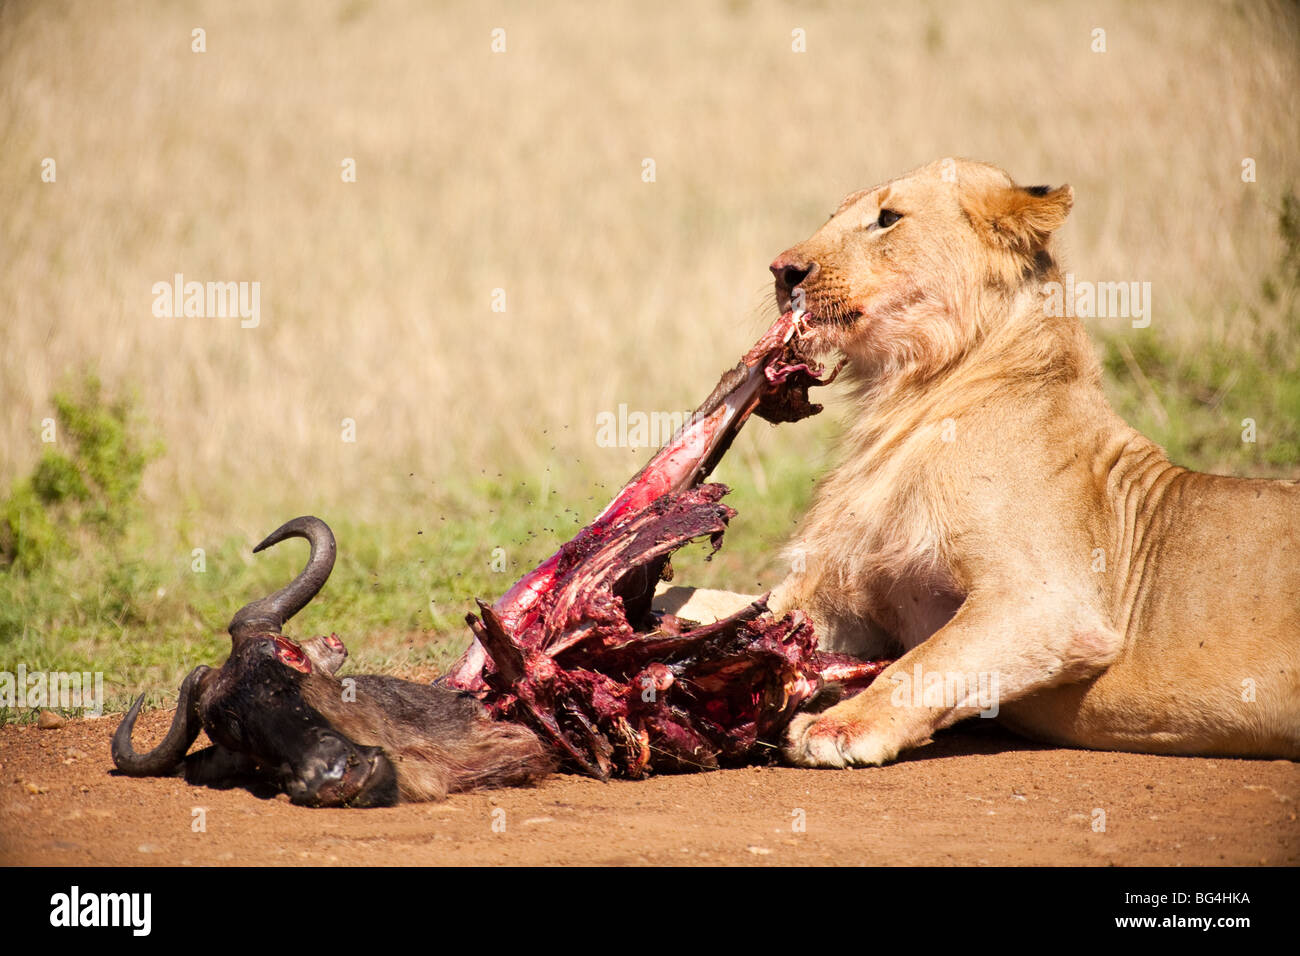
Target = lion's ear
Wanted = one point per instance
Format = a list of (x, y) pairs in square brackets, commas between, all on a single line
[(1021, 218)]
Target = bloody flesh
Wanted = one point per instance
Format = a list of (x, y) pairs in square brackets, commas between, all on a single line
[(574, 650)]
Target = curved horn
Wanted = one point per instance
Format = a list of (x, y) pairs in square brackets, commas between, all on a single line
[(270, 613), (167, 756)]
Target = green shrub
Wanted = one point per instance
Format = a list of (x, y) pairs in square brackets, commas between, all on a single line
[(87, 480)]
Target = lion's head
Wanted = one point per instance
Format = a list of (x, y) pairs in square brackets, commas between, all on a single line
[(910, 273)]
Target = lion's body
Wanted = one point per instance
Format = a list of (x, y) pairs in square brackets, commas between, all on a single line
[(1206, 596), (992, 515)]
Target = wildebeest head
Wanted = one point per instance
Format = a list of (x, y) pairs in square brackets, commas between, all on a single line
[(254, 708)]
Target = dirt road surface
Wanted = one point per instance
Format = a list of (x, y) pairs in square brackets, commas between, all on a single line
[(975, 796)]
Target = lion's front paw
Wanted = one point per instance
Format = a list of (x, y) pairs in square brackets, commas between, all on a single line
[(825, 740)]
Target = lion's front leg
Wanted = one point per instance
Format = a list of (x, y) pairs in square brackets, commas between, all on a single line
[(985, 656)]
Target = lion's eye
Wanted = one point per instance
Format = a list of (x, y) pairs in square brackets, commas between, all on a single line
[(887, 218)]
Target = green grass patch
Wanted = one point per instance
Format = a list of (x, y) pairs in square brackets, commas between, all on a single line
[(1220, 407), (1229, 404)]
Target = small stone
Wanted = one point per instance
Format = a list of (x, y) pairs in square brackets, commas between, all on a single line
[(759, 850), (49, 720)]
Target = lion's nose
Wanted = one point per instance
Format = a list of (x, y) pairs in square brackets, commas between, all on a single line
[(791, 270)]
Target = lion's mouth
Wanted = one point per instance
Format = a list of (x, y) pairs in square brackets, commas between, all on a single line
[(820, 326)]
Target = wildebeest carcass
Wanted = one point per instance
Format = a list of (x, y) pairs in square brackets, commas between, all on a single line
[(277, 712), (576, 651)]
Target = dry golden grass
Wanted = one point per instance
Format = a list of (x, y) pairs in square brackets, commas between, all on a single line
[(522, 171)]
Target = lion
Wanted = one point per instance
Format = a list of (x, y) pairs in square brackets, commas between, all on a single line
[(993, 521)]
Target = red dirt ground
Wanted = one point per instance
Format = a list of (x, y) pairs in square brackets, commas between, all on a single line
[(975, 796)]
